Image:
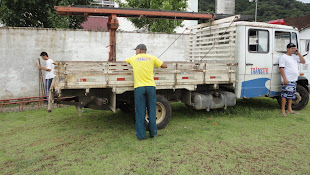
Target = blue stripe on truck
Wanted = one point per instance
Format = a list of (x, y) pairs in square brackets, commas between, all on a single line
[(254, 88)]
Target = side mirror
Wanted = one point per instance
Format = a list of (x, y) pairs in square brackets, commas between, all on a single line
[(307, 47)]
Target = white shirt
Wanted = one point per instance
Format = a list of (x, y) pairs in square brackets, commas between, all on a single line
[(290, 65), (49, 65)]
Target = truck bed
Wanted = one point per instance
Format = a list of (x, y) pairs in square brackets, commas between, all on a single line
[(119, 75)]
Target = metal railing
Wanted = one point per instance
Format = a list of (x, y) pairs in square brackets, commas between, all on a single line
[(26, 103)]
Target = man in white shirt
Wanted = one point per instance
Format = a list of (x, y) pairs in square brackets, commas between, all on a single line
[(49, 71), (288, 64)]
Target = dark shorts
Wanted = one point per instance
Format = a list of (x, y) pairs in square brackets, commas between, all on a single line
[(289, 90)]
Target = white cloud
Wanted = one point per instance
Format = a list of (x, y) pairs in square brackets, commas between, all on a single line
[(304, 1)]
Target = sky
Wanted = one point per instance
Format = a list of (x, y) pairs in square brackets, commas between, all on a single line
[(304, 1)]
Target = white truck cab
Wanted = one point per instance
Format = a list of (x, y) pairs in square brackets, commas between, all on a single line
[(256, 47), (260, 75)]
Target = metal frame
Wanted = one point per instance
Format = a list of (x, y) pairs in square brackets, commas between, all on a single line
[(113, 13), (126, 12), (22, 101)]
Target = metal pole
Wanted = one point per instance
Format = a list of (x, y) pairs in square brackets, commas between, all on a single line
[(256, 10)]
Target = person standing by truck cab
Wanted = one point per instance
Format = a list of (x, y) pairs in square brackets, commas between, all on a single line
[(144, 89), (288, 64), (49, 71)]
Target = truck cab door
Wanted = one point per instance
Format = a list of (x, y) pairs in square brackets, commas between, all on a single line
[(258, 63), (280, 40)]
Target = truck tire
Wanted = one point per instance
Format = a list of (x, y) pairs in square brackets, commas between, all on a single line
[(163, 112), (301, 100), (126, 108)]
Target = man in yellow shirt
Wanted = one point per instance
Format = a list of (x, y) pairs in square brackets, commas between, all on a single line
[(145, 89)]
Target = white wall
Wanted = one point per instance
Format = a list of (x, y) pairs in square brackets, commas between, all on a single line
[(20, 49), (305, 33)]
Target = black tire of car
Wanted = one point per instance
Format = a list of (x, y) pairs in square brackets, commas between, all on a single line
[(163, 113), (301, 100)]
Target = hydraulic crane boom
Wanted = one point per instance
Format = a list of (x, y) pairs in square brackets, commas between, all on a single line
[(113, 13)]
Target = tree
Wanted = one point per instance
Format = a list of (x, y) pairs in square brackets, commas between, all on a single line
[(156, 25), (266, 10), (37, 13)]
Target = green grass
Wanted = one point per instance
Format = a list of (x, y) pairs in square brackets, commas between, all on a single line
[(250, 138)]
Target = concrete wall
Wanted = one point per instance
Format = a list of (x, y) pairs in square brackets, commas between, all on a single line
[(20, 49)]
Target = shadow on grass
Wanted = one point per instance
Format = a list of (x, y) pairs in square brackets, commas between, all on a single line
[(249, 108), (95, 120), (261, 103), (106, 120)]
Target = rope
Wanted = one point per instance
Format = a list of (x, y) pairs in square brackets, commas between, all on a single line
[(218, 40), (173, 42)]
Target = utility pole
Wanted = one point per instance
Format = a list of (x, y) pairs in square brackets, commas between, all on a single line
[(255, 7), (256, 10)]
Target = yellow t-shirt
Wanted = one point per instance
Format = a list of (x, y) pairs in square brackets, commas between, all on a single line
[(143, 66)]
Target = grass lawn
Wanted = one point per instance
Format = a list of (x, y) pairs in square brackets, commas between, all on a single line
[(250, 138)]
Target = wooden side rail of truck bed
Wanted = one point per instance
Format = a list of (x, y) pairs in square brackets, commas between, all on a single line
[(118, 75)]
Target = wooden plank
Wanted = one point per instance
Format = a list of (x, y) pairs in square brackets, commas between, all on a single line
[(220, 21), (213, 39), (212, 45), (216, 29), (185, 74)]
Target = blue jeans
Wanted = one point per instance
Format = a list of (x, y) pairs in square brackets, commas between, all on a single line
[(48, 83), (145, 97)]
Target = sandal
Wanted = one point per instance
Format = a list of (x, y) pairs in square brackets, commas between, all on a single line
[(284, 115)]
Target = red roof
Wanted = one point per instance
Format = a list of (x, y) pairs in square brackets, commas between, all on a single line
[(300, 22)]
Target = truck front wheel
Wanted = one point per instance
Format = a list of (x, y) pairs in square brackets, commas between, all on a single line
[(163, 112), (301, 100)]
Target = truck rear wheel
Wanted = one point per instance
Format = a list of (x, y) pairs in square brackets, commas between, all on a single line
[(301, 100), (163, 112)]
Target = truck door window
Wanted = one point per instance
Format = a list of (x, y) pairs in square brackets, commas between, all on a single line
[(258, 41), (294, 39), (284, 38)]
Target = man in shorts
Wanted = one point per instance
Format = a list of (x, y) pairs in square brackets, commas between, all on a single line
[(288, 64)]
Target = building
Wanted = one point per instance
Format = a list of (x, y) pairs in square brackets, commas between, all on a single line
[(303, 25), (98, 23)]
